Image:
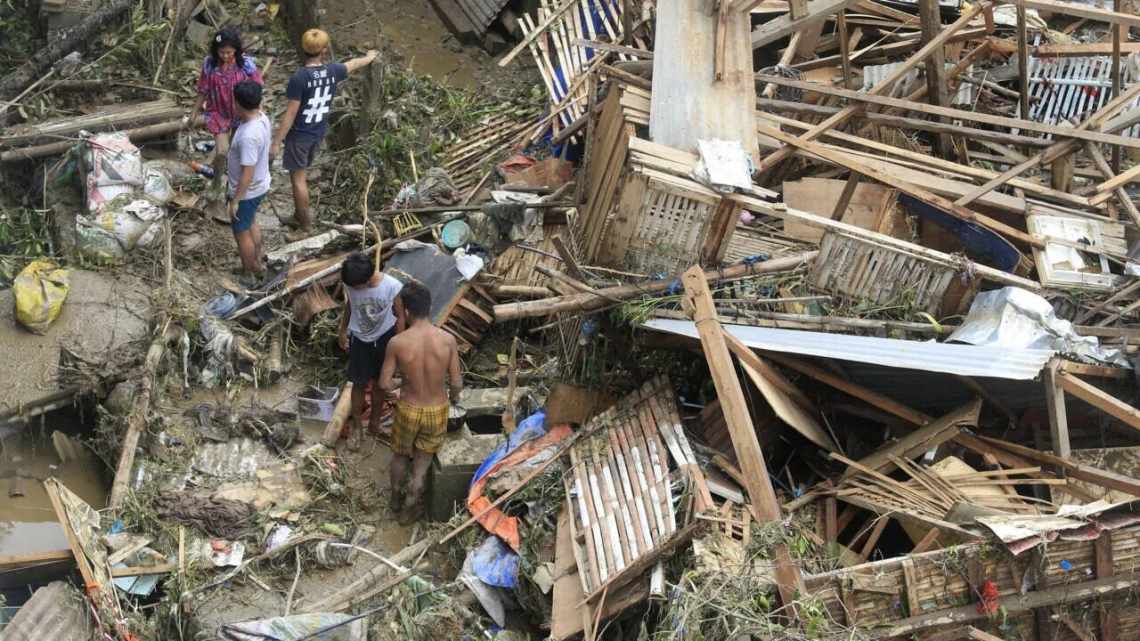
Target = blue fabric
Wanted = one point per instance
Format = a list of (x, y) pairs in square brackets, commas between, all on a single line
[(530, 428), (980, 243), (246, 214), (495, 563)]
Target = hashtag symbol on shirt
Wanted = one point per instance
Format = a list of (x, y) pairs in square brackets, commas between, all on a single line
[(318, 105)]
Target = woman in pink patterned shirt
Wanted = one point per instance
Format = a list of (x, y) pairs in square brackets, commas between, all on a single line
[(223, 69)]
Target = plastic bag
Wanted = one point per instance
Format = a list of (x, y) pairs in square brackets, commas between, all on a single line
[(40, 290), (112, 167), (156, 183)]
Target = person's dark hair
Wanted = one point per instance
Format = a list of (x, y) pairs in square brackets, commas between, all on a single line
[(416, 299), (228, 37), (247, 94), (356, 269)]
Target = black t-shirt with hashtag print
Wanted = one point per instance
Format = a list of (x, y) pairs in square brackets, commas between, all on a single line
[(315, 88)]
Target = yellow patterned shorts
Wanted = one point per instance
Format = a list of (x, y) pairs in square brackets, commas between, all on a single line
[(418, 428)]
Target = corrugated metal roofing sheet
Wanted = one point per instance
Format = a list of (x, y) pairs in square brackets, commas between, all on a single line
[(948, 358), (56, 612)]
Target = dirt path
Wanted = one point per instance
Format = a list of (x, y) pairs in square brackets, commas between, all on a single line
[(412, 30)]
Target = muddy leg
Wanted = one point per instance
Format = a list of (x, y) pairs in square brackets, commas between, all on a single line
[(397, 478), (420, 465)]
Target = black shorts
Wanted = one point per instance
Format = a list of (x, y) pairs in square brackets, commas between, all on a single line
[(300, 151), (366, 359)]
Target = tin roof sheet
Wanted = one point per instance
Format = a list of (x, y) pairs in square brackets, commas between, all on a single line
[(947, 358)]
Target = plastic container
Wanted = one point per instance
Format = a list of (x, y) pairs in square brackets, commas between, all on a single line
[(317, 403)]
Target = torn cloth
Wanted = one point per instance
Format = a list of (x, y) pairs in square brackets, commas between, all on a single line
[(495, 520), (222, 518)]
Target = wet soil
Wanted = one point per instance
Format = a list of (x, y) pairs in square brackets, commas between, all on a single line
[(411, 30)]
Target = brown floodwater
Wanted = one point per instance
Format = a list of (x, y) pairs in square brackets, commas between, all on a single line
[(27, 523)]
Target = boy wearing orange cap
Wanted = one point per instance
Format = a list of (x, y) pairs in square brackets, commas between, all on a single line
[(306, 119)]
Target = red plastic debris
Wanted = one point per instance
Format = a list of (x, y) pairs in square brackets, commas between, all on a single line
[(989, 603)]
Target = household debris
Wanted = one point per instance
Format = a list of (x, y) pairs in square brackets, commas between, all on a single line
[(804, 320)]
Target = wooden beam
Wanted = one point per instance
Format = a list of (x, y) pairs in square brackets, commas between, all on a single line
[(539, 29), (1108, 620), (817, 11), (931, 17), (1076, 50), (753, 360), (880, 88), (698, 302), (1120, 180), (845, 197), (927, 542), (1089, 12), (1055, 403), (972, 116), (975, 634), (1101, 371), (572, 267), (1011, 604), (873, 538), (931, 435), (1101, 400), (1022, 62), (1105, 170), (854, 389), (782, 211), (955, 210), (1089, 474)]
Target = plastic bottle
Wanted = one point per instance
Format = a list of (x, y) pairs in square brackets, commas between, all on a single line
[(203, 169)]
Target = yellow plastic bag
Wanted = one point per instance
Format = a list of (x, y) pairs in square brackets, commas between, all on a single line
[(40, 290)]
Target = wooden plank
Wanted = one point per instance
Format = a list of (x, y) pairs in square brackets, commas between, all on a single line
[(1082, 49), (1108, 619), (910, 583), (1102, 371), (1055, 404), (788, 411), (1089, 12), (89, 580), (926, 542), (971, 116), (782, 26), (873, 538), (933, 200), (932, 435), (1087, 473), (881, 88), (1011, 604), (698, 301), (753, 360), (1022, 62), (539, 29), (854, 389), (8, 561), (1100, 399), (936, 93)]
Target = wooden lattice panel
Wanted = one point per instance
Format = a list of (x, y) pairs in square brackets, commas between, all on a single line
[(671, 227), (864, 271)]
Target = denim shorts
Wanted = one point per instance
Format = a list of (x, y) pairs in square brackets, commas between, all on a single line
[(246, 213)]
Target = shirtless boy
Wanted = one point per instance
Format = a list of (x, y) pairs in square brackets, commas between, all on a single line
[(426, 356)]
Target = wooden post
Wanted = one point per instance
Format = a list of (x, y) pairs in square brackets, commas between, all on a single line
[(1116, 37), (1108, 620), (688, 103), (699, 304), (844, 47), (1023, 60), (1055, 401), (845, 197), (935, 67), (1061, 173)]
